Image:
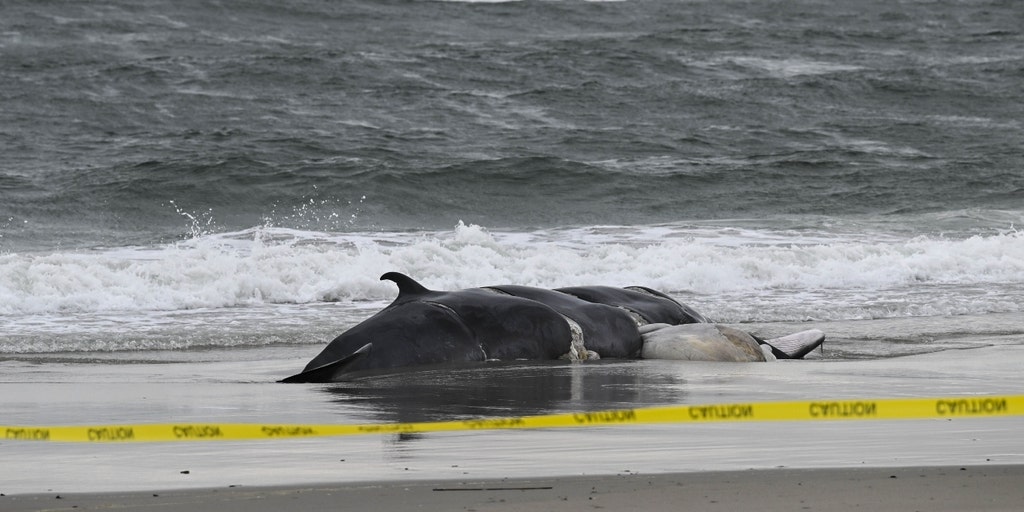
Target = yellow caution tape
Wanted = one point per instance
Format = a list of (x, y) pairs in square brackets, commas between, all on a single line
[(828, 410)]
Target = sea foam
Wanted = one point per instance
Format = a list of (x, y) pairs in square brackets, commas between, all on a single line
[(268, 265)]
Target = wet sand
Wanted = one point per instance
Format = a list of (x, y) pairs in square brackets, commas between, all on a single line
[(840, 465), (992, 488)]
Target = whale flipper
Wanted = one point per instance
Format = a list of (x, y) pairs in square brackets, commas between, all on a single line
[(796, 345), (327, 372)]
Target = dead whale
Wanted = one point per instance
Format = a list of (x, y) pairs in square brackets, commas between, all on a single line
[(423, 327)]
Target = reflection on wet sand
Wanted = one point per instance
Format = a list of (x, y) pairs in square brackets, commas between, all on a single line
[(508, 389)]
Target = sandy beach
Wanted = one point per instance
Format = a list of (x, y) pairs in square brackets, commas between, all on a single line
[(991, 488), (926, 464)]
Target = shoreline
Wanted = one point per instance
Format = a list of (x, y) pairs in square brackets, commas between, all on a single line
[(931, 488), (219, 391)]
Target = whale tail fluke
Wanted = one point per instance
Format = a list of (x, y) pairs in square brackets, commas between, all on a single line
[(327, 372), (796, 345)]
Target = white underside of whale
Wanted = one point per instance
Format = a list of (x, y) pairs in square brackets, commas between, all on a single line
[(701, 342)]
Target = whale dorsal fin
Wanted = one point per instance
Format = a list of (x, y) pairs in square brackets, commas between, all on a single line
[(407, 286)]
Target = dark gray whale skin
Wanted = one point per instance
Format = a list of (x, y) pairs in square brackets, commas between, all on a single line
[(426, 327), (652, 306), (608, 330)]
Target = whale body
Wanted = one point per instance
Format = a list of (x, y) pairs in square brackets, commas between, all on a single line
[(423, 327)]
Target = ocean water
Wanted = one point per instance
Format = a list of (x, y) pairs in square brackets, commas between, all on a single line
[(184, 180)]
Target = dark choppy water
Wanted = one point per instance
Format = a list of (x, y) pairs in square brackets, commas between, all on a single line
[(171, 166)]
